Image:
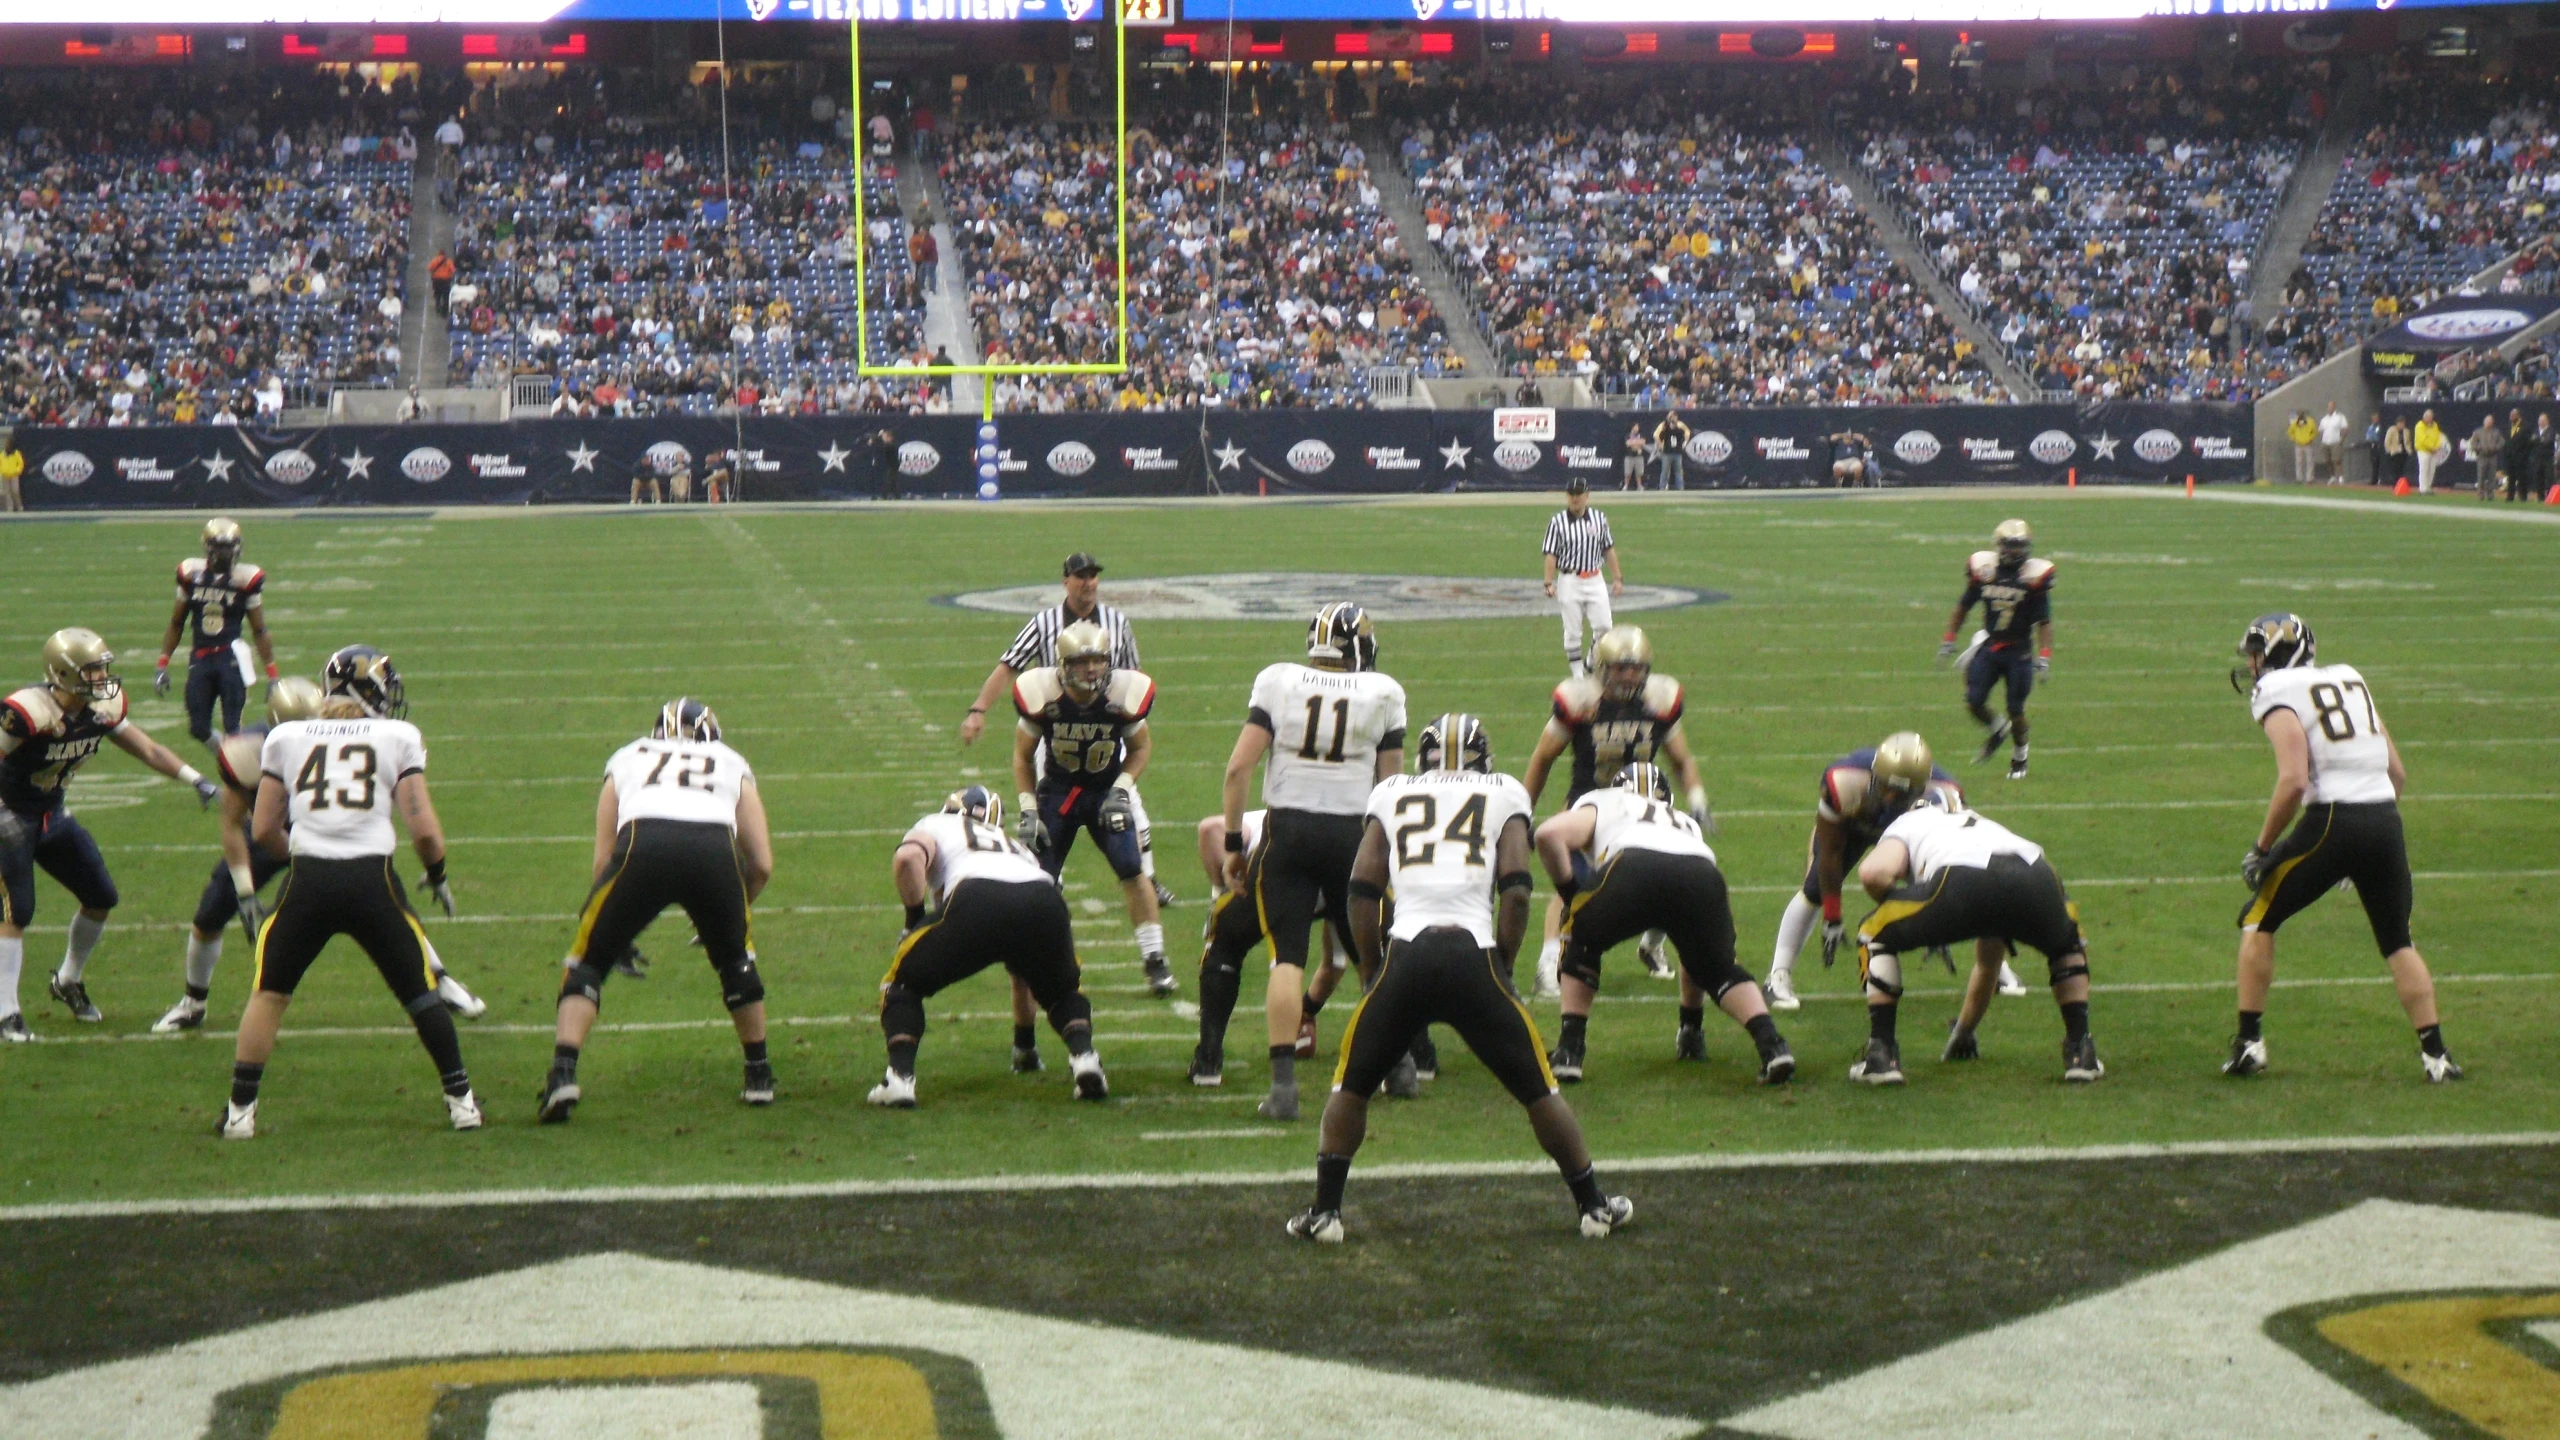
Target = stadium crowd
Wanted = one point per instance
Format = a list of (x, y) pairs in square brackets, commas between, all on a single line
[(182, 250)]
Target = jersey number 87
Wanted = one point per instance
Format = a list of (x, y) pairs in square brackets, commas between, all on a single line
[(2336, 720), (1464, 828)]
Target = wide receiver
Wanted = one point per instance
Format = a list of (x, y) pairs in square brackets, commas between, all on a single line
[(974, 898), (1622, 714), (217, 595), (1090, 719), (1324, 733), (2014, 646), (47, 732), (1627, 860), (679, 822), (2339, 770), (1446, 841)]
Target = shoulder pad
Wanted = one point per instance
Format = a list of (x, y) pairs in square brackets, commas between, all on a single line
[(111, 713), (1662, 698), (1576, 699), (237, 758), (189, 569), (34, 711), (1983, 565), (1131, 693), (1844, 791), (2036, 573), (1034, 691), (249, 577)]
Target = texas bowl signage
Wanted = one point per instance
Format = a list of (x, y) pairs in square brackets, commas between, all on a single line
[(2450, 326)]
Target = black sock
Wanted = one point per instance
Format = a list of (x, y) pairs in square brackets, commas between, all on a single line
[(2249, 1023), (244, 1082), (1078, 1037), (1025, 1036), (1586, 1188), (456, 1081), (1332, 1173), (435, 1031), (1218, 986), (1309, 1008), (1764, 1033), (2075, 1020), (1693, 1017), (1880, 1020), (1572, 1029), (199, 993), (1284, 1064), (564, 1060), (755, 1052), (902, 1056), (2431, 1040)]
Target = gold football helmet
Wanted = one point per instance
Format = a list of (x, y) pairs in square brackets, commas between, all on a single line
[(1084, 659), (293, 698), (2013, 539), (1901, 768), (1624, 658), (222, 541), (78, 662)]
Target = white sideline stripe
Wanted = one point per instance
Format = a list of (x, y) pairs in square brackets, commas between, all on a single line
[(1296, 1175), (2518, 515), (1266, 1132)]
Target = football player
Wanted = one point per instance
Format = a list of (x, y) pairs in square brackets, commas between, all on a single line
[(975, 898), (47, 732), (1088, 722), (678, 822), (327, 788), (1862, 792), (1620, 715), (1324, 732), (1244, 927), (2339, 771), (1626, 860), (1941, 874), (2015, 644), (217, 595), (1447, 840)]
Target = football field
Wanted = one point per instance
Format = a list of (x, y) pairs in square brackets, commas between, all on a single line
[(1763, 1265)]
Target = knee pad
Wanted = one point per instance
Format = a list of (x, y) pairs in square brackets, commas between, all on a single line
[(741, 986), (1717, 981), (1883, 975), (584, 981), (1579, 962), (423, 1004), (2066, 967), (901, 1012)]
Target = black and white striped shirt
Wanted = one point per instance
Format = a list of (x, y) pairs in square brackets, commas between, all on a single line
[(1578, 541), (1037, 645)]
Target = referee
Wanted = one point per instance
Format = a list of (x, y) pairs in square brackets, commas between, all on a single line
[(1578, 546)]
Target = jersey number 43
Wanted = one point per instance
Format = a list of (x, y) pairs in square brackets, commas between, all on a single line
[(313, 780)]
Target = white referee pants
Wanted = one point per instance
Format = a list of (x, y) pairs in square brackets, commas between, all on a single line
[(1586, 617)]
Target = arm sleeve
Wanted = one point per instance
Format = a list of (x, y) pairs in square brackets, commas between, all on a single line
[(1266, 695), (1024, 653), (1548, 547)]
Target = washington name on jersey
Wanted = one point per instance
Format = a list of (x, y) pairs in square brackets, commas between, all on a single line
[(1938, 838), (219, 601), (696, 781), (1610, 735), (1327, 727), (43, 745), (966, 849), (338, 776), (2350, 750), (1624, 820), (1083, 741), (1444, 828), (2014, 597)]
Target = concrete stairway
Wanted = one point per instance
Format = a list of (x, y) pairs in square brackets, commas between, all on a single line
[(946, 305), (1905, 247), (426, 346), (2280, 247), (1396, 196)]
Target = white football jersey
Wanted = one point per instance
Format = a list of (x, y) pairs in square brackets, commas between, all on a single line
[(337, 777), (2350, 749), (1444, 828), (696, 780), (1624, 820), (966, 849), (1938, 838), (1327, 727)]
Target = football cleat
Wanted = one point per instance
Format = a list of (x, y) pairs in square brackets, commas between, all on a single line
[(459, 1000), (1280, 1104), (1208, 1065), (758, 1089), (1321, 1227), (2017, 767), (239, 1122), (2010, 984), (2248, 1057), (1960, 1044), (2439, 1068), (1781, 991), (463, 1110), (1657, 961), (1402, 1082), (1689, 1042), (1882, 1064), (1992, 742), (1165, 898), (1778, 1066), (13, 1029), (1566, 1062), (1026, 1060), (2080, 1063), (1091, 1084), (187, 1014), (559, 1096), (1426, 1056), (1306, 1049), (894, 1092), (75, 998), (1160, 981), (1604, 1219)]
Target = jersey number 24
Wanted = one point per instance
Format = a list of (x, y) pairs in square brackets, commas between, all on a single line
[(1418, 814)]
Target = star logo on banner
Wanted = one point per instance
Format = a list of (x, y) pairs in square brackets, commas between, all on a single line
[(357, 463), (582, 456), (216, 467), (2104, 447), (1229, 456), (1453, 456), (833, 457)]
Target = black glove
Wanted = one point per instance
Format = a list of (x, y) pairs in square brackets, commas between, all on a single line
[(1943, 956), (1119, 810), (437, 887), (206, 792), (251, 917), (1833, 932), (916, 916), (2253, 868)]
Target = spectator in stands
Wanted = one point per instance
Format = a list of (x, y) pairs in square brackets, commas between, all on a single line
[(2303, 434), (2333, 443), (440, 276), (411, 408), (2488, 446), (2432, 448)]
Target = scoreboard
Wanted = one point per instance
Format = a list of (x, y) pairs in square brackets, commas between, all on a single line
[(1154, 13)]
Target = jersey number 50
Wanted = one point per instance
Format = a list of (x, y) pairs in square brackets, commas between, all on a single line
[(1464, 828)]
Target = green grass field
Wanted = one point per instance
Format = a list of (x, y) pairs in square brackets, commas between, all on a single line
[(534, 645)]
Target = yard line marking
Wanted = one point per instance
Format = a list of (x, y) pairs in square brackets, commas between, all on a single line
[(2521, 515), (193, 1206), (1267, 1132)]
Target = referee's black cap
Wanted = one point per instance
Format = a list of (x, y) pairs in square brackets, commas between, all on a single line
[(1576, 485), (1081, 563)]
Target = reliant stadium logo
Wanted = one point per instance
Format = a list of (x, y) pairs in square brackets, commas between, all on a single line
[(143, 468), (426, 464), (1516, 455), (1392, 457), (2053, 447), (1584, 457), (754, 462), (1147, 458), (667, 457), (1709, 447), (1072, 457), (67, 468), (1916, 447), (1988, 452), (291, 467), (2157, 446), (2220, 447), (1782, 447), (1311, 457), (917, 458), (2469, 324), (499, 467)]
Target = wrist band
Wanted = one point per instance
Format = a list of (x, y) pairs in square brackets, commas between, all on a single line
[(187, 775), (1023, 802), (435, 871), (1124, 781), (1830, 907), (1235, 843), (243, 883), (2045, 654), (164, 662), (977, 710), (271, 669)]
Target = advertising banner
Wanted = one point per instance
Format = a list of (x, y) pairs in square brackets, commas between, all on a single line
[(2450, 326)]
